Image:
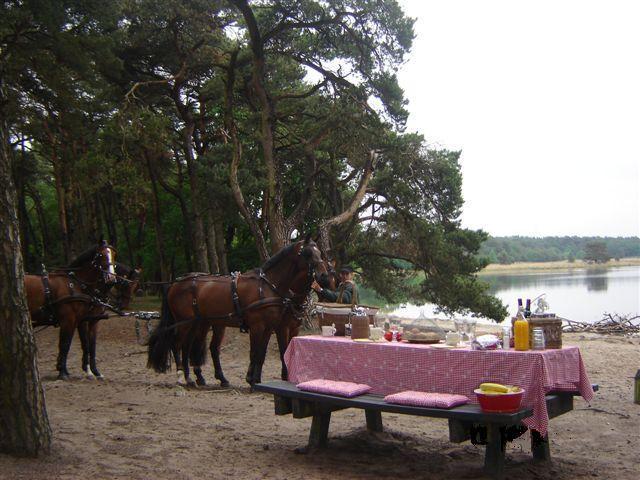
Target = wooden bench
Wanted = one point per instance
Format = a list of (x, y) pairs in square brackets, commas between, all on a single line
[(466, 422)]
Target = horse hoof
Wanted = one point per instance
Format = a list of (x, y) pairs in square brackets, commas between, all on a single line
[(63, 376), (182, 381), (89, 376), (100, 377), (191, 384), (224, 383), (201, 382)]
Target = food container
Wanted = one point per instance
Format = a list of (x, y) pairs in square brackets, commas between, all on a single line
[(493, 402), (359, 325)]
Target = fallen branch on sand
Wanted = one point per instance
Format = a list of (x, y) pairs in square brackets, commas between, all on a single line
[(610, 324)]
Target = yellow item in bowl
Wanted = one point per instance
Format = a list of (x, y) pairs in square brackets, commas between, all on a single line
[(494, 388)]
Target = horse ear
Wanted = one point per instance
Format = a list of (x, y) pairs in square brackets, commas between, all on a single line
[(307, 238)]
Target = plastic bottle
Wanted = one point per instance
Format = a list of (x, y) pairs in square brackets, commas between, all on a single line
[(506, 338), (521, 331)]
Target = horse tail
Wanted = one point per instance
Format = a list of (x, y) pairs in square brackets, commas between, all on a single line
[(163, 338)]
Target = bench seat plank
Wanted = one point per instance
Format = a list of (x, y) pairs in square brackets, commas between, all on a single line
[(468, 412)]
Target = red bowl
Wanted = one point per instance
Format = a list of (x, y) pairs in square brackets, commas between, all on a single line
[(499, 402)]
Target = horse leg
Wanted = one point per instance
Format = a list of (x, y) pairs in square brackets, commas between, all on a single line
[(197, 352), (64, 344), (176, 350), (259, 341), (214, 346), (282, 334), (186, 349), (83, 333), (93, 335)]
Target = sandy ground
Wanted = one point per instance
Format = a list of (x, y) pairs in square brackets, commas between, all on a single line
[(139, 425)]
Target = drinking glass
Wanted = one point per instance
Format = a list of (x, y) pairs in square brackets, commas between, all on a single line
[(470, 329), (459, 324)]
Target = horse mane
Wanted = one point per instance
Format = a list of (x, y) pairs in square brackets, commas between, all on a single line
[(286, 251), (84, 257)]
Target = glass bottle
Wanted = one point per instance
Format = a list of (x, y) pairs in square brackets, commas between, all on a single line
[(506, 338), (521, 331), (527, 309)]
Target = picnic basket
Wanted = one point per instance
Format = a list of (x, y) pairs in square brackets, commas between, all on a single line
[(339, 314)]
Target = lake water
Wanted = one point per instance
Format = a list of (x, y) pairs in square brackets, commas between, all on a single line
[(577, 294)]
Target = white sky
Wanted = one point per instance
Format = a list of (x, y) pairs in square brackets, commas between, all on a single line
[(543, 99)]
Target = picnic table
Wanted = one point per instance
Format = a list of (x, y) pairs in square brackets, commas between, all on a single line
[(551, 378), (391, 367)]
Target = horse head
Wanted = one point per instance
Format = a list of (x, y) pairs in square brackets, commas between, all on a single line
[(313, 259), (96, 264), (105, 260), (126, 285), (331, 280)]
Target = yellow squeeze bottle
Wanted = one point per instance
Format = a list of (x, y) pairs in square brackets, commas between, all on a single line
[(521, 332)]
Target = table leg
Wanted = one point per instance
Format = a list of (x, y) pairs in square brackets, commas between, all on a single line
[(494, 455), (374, 420), (540, 447)]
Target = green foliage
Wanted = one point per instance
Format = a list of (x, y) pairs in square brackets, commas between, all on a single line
[(596, 252), (547, 249), (134, 111)]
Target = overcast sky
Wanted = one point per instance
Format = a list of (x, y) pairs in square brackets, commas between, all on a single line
[(543, 99)]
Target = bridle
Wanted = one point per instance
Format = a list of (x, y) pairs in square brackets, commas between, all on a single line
[(109, 277)]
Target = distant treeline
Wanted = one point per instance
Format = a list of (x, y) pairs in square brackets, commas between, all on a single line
[(547, 249)]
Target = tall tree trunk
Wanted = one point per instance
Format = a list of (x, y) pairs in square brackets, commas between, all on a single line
[(23, 415), (236, 155), (62, 207), (212, 253), (42, 221), (124, 221), (199, 242), (221, 247), (164, 274), (177, 192)]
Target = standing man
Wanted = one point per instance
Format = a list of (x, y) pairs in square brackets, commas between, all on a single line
[(347, 290)]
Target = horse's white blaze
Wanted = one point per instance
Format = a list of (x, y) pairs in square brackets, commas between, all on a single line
[(181, 378), (111, 276)]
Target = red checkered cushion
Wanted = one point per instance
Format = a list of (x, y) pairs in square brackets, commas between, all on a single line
[(426, 399), (334, 387)]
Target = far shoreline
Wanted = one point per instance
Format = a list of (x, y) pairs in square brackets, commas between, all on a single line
[(520, 267)]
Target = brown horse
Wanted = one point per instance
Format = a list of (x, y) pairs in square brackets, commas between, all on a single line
[(118, 297), (261, 301), (68, 296), (288, 329)]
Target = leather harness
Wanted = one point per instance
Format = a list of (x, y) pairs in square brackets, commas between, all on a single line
[(238, 311)]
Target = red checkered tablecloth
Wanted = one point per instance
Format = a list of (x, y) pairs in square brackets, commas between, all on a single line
[(391, 367)]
